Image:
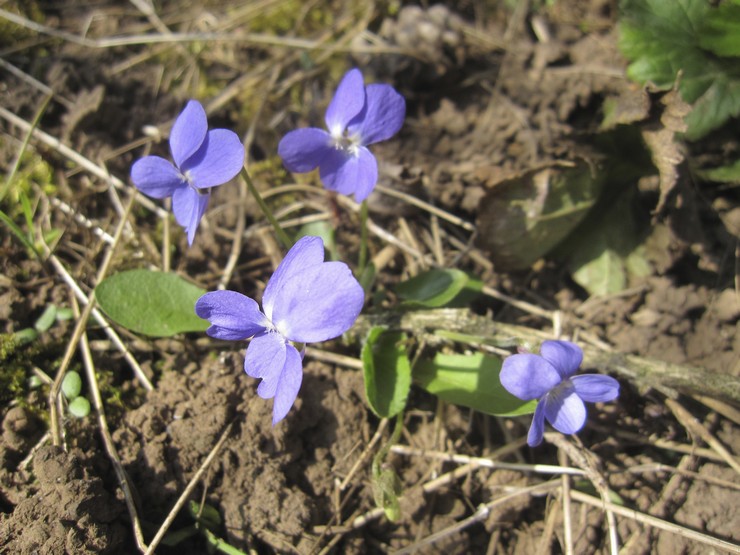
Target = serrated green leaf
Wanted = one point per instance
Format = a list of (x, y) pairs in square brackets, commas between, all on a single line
[(665, 39), (387, 371), (471, 381), (157, 304), (721, 31), (433, 288)]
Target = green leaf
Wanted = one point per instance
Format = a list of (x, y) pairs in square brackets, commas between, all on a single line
[(524, 218), (724, 174), (79, 407), (386, 489), (46, 320), (433, 288), (157, 304), (387, 371), (471, 381), (721, 31), (666, 38), (71, 385), (607, 250)]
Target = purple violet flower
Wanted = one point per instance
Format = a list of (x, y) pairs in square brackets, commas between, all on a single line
[(549, 378), (356, 117), (307, 300), (203, 159)]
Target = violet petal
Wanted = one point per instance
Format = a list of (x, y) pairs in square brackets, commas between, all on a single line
[(188, 206), (383, 117), (219, 159), (233, 316), (320, 303), (156, 177), (537, 428), (595, 388), (528, 376), (302, 150), (188, 132), (288, 385), (565, 356), (307, 252), (350, 174), (265, 359), (348, 101), (565, 410)]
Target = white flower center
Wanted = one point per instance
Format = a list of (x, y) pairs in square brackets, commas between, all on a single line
[(343, 140)]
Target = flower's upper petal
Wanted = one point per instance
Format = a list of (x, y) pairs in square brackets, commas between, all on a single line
[(348, 101), (537, 428), (348, 174), (565, 410), (594, 388), (289, 384), (383, 116), (308, 251), (156, 177), (565, 356), (302, 150), (265, 359), (233, 316), (188, 206), (528, 376), (188, 132), (320, 303), (219, 159)]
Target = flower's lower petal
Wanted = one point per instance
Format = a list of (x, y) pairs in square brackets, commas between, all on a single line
[(348, 101), (188, 132), (307, 252), (528, 376), (289, 384), (219, 159), (537, 428), (348, 174), (188, 205), (232, 315), (565, 356), (265, 359), (320, 303), (383, 116), (302, 150), (594, 388), (156, 177), (565, 410)]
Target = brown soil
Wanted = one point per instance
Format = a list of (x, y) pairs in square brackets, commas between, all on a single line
[(486, 102)]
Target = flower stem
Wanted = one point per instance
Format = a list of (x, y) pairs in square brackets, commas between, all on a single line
[(279, 231), (362, 262)]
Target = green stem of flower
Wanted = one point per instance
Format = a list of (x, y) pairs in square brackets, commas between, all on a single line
[(279, 231), (362, 262)]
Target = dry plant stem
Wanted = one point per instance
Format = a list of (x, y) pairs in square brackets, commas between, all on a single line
[(729, 412), (553, 512), (35, 83), (696, 429), (188, 490), (480, 514), (81, 219), (643, 371), (152, 38), (656, 522), (123, 480), (455, 220), (365, 454), (567, 523), (54, 400), (100, 319), (486, 463), (77, 158), (279, 231)]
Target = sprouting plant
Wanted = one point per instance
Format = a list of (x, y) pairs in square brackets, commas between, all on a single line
[(203, 159), (549, 378), (307, 300), (357, 116)]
